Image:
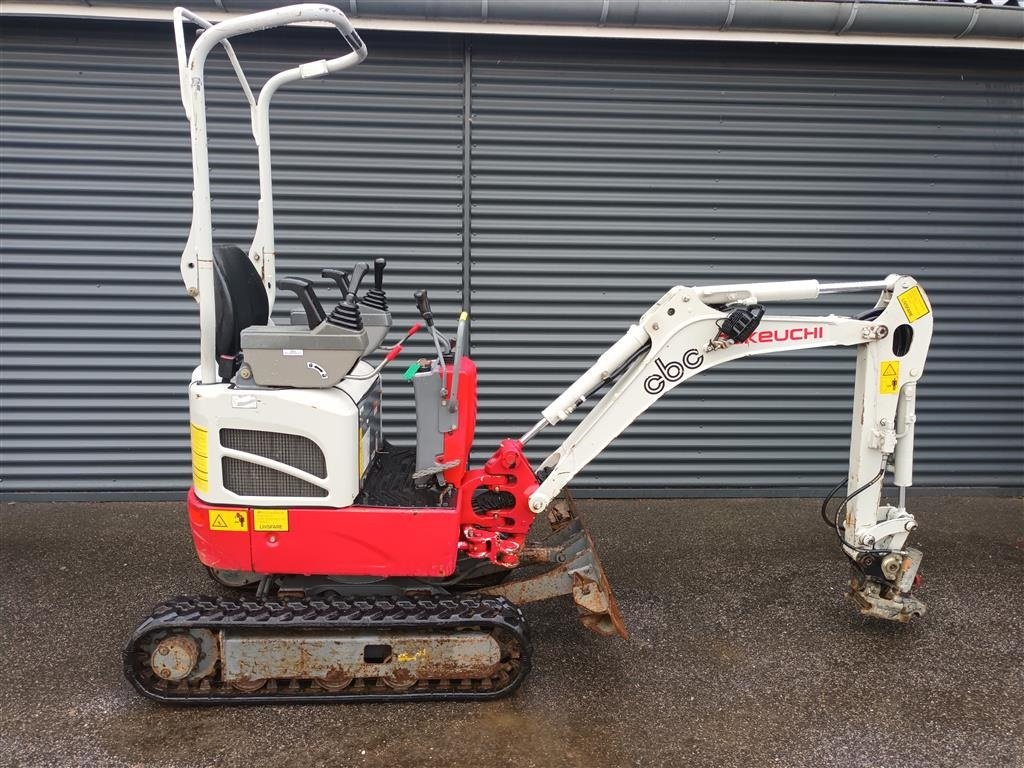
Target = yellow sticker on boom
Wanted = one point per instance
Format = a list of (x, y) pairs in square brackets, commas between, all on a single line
[(200, 452), (913, 304), (228, 520), (270, 519), (889, 377)]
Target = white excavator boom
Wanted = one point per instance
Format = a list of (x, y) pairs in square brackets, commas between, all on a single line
[(690, 330)]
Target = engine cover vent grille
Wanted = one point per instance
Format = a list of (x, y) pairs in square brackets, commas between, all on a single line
[(294, 450), (247, 479)]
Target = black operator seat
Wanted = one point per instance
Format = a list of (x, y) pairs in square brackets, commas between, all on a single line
[(241, 302)]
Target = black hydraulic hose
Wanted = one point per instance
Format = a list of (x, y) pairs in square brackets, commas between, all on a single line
[(612, 377), (824, 504), (620, 370), (847, 500)]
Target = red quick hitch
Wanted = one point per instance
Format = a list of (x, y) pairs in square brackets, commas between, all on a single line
[(494, 508)]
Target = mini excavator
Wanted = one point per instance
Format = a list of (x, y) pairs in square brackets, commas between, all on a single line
[(380, 573)]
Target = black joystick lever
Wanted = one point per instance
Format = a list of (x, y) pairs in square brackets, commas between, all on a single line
[(358, 273), (346, 314), (423, 305), (303, 288), (339, 276), (375, 296)]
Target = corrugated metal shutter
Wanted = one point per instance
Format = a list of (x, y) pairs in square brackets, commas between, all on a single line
[(604, 173), (98, 336)]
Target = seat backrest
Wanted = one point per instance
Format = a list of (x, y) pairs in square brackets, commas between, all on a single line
[(241, 297)]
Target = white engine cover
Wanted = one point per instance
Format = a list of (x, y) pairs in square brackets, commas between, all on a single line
[(283, 447)]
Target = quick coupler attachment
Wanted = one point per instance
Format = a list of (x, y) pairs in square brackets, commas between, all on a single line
[(880, 585)]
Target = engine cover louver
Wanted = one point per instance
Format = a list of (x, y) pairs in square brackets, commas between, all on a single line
[(250, 479), (294, 450)]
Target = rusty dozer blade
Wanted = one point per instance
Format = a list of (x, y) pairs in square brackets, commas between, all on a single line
[(577, 571)]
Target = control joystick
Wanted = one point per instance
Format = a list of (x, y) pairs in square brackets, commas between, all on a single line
[(346, 313), (303, 289), (423, 307), (340, 278), (375, 297)]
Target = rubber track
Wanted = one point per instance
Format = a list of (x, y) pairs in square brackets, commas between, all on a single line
[(375, 614)]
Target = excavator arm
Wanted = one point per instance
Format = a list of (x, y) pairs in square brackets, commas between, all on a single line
[(690, 330)]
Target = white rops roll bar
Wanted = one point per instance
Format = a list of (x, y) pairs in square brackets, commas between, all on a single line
[(197, 259)]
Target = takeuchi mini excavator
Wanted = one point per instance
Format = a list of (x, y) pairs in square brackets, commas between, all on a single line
[(377, 572)]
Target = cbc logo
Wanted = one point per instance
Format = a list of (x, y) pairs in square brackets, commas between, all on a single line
[(672, 372)]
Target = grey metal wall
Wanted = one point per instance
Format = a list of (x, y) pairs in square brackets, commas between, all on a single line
[(603, 174), (600, 175), (98, 336)]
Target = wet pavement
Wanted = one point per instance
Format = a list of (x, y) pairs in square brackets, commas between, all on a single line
[(743, 652)]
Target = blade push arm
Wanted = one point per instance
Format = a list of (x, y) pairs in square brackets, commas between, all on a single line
[(679, 338)]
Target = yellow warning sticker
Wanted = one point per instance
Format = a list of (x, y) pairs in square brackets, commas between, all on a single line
[(404, 657), (889, 377), (200, 454), (228, 520), (270, 519), (913, 304)]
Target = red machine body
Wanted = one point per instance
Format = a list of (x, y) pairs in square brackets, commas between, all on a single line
[(380, 541), (363, 541)]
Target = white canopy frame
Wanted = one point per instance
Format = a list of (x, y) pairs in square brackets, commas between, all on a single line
[(197, 258)]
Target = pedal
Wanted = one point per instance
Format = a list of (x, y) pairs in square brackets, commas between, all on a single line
[(437, 469)]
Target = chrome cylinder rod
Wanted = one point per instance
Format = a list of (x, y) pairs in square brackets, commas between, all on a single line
[(532, 433), (866, 285)]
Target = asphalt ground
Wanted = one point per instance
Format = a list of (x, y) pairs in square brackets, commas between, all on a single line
[(743, 652)]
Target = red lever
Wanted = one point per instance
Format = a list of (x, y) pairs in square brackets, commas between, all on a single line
[(396, 350)]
